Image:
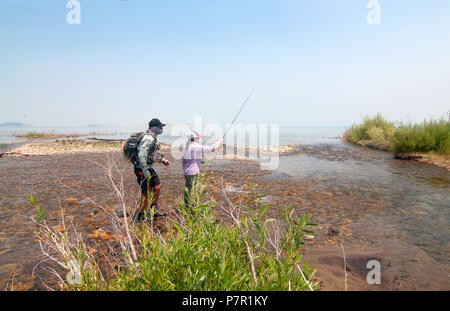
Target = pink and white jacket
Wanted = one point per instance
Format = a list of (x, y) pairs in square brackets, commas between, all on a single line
[(193, 155)]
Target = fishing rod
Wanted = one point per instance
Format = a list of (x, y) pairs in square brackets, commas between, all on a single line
[(245, 102)]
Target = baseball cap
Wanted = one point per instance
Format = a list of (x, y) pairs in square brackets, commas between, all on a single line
[(155, 122), (192, 135)]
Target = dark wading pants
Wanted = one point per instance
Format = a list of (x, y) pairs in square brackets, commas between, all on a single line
[(189, 183)]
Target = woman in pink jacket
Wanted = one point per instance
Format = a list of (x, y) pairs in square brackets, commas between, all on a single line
[(191, 162)]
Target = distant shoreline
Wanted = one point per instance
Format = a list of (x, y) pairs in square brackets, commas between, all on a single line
[(13, 124)]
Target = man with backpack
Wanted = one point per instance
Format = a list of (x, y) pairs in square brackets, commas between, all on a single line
[(145, 151)]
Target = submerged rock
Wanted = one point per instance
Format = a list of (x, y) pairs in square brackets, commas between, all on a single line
[(72, 201), (332, 231)]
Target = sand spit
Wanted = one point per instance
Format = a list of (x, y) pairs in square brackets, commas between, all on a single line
[(78, 146)]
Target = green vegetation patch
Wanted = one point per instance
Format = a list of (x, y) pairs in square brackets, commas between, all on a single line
[(200, 252), (403, 138), (34, 135)]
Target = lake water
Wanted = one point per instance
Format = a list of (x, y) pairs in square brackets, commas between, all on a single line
[(405, 200), (288, 135)]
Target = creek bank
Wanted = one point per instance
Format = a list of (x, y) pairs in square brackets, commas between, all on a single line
[(430, 158)]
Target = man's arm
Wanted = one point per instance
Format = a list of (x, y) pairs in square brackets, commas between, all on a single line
[(159, 157)]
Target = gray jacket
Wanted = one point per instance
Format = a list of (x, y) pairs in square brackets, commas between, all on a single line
[(149, 153)]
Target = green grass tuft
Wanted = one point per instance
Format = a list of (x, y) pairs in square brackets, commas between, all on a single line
[(34, 135), (428, 136)]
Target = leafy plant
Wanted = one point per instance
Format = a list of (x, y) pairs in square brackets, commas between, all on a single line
[(40, 211), (376, 128), (200, 252), (428, 136)]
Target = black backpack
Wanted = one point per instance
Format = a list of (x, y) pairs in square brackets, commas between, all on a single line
[(130, 147)]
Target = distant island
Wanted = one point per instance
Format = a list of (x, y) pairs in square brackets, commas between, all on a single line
[(100, 125), (12, 124)]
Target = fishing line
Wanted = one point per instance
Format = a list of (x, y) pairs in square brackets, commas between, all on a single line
[(245, 102)]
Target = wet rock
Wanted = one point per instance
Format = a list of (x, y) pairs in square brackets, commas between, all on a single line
[(85, 201), (99, 233), (72, 201), (231, 188), (280, 175), (332, 231), (267, 199)]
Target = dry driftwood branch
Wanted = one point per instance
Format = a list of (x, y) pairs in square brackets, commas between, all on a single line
[(301, 272), (238, 224), (51, 242), (345, 267), (274, 240), (120, 196)]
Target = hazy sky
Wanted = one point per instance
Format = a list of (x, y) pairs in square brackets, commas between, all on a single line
[(129, 61)]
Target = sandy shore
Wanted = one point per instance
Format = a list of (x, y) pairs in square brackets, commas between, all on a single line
[(64, 147), (77, 146)]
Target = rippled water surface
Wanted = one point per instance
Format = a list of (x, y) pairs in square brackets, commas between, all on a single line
[(409, 200)]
